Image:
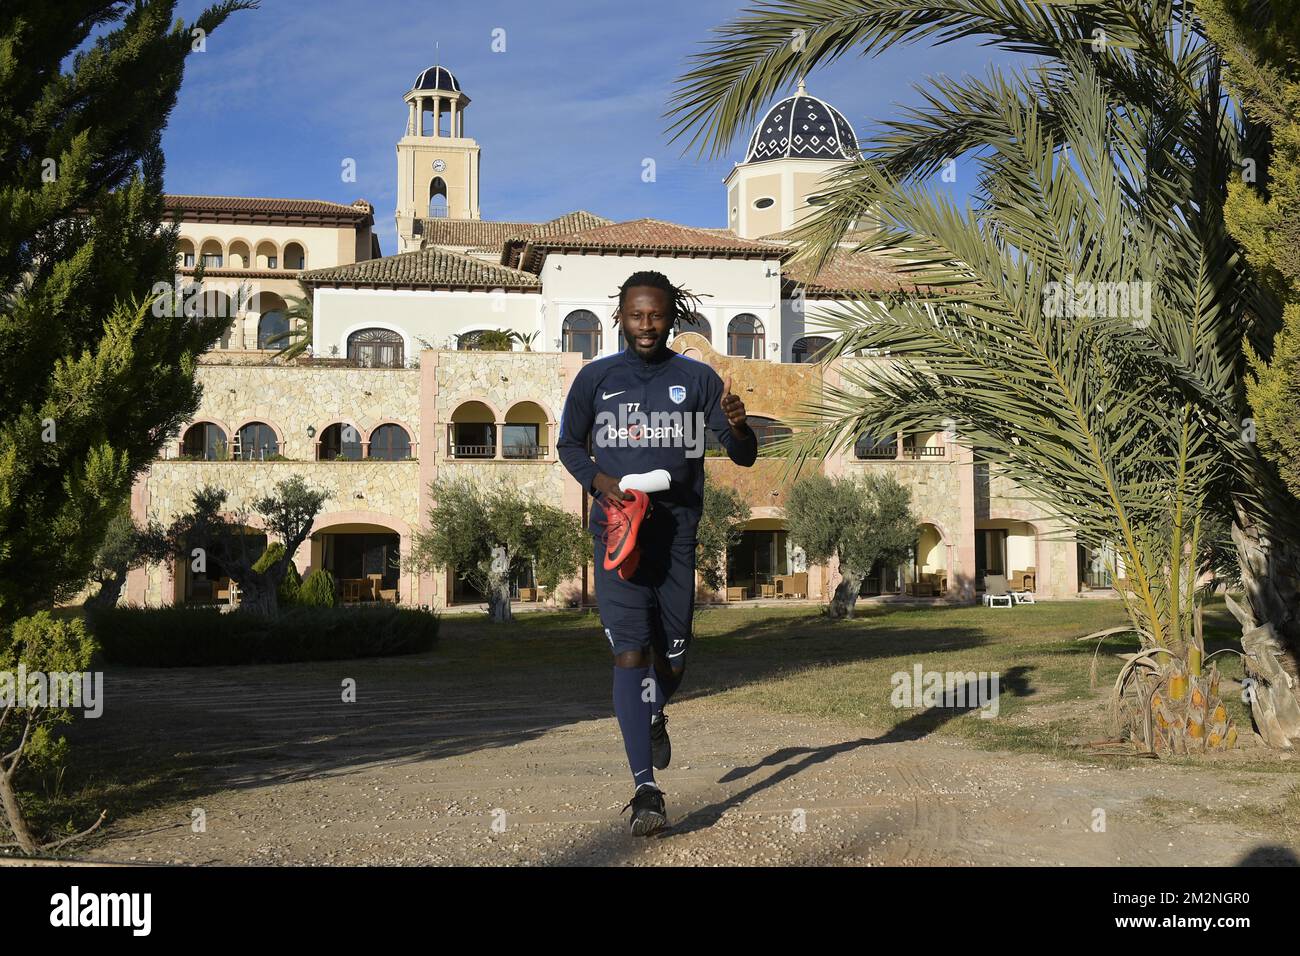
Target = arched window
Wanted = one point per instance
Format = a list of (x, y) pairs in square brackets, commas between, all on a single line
[(204, 440), (745, 337), (257, 441), (582, 333), (437, 198), (390, 443), (377, 348), (295, 257), (269, 327), (340, 440), (212, 255), (696, 323), (810, 348)]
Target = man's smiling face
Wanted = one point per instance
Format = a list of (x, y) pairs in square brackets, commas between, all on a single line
[(646, 318)]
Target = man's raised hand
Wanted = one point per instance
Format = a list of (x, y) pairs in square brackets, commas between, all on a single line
[(733, 407)]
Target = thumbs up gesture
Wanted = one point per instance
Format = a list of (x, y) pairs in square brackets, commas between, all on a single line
[(733, 408)]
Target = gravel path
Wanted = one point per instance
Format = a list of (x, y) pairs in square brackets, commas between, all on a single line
[(431, 767)]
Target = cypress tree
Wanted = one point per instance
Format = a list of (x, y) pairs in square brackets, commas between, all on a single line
[(93, 378)]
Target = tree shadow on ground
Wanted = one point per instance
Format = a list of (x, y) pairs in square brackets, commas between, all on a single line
[(176, 734), (614, 847)]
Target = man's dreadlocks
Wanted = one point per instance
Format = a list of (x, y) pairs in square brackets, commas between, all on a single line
[(681, 303)]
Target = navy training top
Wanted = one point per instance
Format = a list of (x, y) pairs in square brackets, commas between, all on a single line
[(642, 415)]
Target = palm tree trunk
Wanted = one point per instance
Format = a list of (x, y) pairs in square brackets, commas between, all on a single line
[(1270, 574)]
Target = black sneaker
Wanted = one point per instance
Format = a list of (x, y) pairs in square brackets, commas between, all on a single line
[(648, 813), (661, 748)]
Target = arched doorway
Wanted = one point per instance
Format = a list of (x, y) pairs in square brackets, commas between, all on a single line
[(364, 558)]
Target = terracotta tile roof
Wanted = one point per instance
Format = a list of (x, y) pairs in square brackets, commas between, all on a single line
[(244, 209), (429, 268), (570, 222), (651, 236), (471, 232), (847, 273)]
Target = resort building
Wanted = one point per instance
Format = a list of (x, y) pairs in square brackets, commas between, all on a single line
[(398, 388)]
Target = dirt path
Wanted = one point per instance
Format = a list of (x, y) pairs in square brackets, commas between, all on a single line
[(419, 769)]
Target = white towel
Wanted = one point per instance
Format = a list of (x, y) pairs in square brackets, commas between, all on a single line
[(657, 480)]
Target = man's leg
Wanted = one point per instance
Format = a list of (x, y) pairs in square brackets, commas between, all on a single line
[(674, 619), (667, 678), (625, 609), (632, 685)]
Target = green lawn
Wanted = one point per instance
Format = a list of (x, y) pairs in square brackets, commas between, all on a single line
[(794, 660)]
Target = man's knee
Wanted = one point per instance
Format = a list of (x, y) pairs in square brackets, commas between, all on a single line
[(631, 659)]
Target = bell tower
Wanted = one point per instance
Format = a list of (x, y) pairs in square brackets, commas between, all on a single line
[(437, 164)]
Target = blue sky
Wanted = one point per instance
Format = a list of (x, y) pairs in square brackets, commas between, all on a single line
[(564, 116)]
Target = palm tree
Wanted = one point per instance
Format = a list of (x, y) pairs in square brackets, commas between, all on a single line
[(295, 340), (1102, 166)]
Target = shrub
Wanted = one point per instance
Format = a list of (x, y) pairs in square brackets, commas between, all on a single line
[(292, 581), (319, 590), (197, 636)]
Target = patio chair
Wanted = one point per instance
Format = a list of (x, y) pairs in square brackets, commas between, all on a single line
[(1022, 586), (1025, 580), (995, 591)]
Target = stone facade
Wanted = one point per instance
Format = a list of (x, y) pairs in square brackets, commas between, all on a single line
[(952, 496)]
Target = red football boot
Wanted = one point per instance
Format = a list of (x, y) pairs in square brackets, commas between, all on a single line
[(622, 522)]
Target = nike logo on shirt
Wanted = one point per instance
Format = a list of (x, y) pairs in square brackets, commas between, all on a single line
[(605, 395)]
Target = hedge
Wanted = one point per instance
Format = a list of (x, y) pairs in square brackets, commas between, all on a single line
[(196, 636)]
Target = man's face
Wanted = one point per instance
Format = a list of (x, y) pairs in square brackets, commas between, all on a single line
[(646, 318)]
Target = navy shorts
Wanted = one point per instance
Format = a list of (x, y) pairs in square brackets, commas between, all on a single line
[(653, 609)]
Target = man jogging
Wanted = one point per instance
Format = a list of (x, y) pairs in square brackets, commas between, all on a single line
[(644, 412)]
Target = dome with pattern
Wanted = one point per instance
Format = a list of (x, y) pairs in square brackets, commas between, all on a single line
[(437, 78), (802, 127)]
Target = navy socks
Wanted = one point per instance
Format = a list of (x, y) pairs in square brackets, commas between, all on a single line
[(663, 690), (632, 708)]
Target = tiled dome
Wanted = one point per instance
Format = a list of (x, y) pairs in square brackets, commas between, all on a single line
[(802, 127), (437, 78)]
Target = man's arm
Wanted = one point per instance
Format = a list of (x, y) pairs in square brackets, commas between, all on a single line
[(725, 416)]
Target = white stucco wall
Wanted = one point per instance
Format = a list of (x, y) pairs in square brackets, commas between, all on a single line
[(425, 319)]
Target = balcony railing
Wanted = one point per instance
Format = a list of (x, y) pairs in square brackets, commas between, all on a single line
[(925, 451), (533, 452), (471, 451), (875, 452)]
